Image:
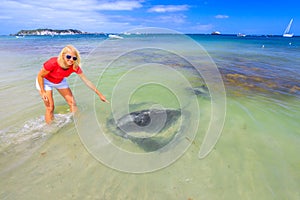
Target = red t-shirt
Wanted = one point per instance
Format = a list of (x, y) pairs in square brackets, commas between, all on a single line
[(57, 74)]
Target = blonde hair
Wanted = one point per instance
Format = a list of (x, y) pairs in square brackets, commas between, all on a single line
[(64, 51)]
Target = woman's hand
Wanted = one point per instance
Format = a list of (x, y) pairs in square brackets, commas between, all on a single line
[(103, 98), (44, 97), (92, 87)]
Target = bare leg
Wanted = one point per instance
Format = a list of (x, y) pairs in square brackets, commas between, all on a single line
[(49, 115), (68, 96)]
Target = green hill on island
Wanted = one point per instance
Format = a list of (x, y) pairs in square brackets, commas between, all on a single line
[(49, 32)]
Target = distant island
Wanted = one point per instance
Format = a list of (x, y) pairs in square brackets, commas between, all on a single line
[(49, 32)]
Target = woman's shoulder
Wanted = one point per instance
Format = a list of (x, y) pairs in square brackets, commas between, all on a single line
[(77, 69), (53, 59), (50, 63)]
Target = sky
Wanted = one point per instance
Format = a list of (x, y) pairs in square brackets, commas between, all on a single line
[(186, 16)]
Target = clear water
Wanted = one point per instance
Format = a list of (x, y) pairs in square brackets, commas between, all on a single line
[(82, 157)]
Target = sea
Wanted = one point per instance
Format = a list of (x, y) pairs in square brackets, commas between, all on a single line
[(190, 116)]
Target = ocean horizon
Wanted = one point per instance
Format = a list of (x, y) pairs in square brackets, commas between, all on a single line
[(189, 34)]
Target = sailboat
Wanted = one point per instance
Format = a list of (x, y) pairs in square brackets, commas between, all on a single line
[(287, 30)]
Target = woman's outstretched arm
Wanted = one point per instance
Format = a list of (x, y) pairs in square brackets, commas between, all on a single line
[(92, 87)]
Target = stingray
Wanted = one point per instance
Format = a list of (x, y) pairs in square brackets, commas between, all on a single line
[(151, 129)]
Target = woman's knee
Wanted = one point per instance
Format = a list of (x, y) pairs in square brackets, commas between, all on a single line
[(71, 101), (50, 108)]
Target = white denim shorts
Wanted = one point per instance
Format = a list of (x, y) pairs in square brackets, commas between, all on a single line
[(49, 85)]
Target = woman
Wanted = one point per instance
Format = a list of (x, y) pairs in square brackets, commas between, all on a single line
[(53, 75)]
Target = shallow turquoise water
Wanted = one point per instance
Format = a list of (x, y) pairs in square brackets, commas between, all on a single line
[(256, 155)]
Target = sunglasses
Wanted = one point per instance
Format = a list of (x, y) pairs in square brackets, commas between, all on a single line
[(69, 57)]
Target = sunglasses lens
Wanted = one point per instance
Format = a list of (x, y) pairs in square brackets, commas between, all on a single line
[(69, 57)]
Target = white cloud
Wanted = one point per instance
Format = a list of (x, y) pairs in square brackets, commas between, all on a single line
[(221, 16), (75, 5), (168, 8), (83, 15), (5, 17), (119, 5)]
